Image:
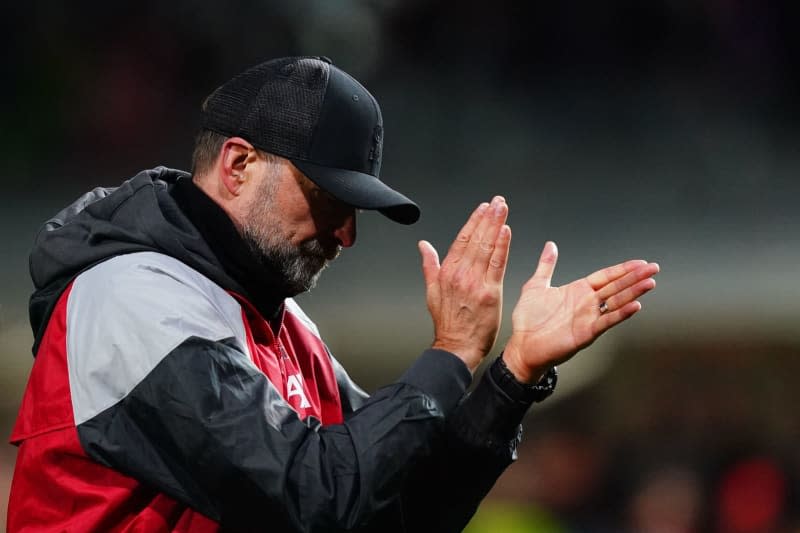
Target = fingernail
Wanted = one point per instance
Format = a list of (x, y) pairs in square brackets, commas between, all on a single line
[(499, 208)]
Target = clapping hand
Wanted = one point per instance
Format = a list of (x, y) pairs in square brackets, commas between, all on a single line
[(465, 292), (551, 324)]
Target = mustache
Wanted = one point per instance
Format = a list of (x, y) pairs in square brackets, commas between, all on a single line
[(320, 249)]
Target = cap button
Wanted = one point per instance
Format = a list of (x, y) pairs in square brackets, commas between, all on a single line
[(326, 59)]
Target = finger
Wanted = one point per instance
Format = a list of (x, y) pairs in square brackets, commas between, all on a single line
[(430, 262), (607, 275), (464, 236), (547, 264), (481, 248), (612, 318), (629, 279), (630, 294), (499, 260)]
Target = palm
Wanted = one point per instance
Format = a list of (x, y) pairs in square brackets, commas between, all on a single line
[(551, 324), (562, 316)]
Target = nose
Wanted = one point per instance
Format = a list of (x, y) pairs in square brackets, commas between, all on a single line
[(345, 232)]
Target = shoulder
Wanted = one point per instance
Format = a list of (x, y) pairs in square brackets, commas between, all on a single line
[(125, 315), (146, 284)]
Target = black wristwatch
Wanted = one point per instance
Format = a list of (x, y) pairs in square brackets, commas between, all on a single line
[(523, 392)]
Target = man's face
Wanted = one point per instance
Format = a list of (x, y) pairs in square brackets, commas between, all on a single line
[(295, 227)]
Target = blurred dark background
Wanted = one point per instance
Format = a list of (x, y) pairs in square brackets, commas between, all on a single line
[(664, 130)]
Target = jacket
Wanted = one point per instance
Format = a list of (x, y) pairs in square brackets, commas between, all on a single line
[(174, 388)]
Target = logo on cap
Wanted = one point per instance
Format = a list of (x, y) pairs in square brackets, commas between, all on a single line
[(375, 150)]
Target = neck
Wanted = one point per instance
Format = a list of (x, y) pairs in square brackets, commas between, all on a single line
[(265, 288)]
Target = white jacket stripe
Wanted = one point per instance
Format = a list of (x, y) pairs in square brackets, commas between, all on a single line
[(126, 314)]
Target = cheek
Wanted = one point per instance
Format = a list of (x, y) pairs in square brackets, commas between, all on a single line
[(294, 211), (298, 226)]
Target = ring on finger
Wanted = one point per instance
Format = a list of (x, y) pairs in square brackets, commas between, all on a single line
[(603, 307)]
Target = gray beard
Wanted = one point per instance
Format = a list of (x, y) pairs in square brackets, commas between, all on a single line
[(298, 266)]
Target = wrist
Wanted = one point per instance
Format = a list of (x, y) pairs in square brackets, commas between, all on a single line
[(514, 360), (525, 393), (471, 357)]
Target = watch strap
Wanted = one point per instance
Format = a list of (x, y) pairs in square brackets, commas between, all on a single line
[(523, 392)]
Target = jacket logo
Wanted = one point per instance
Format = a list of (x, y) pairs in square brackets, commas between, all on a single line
[(294, 387)]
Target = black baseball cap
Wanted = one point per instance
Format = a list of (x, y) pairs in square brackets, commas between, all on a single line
[(320, 118)]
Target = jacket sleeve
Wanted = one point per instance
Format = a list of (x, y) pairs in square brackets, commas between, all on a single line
[(482, 436), (164, 391), (445, 488)]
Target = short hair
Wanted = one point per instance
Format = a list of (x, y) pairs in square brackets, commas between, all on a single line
[(207, 145)]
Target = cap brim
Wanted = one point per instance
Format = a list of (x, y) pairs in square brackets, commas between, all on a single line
[(362, 191)]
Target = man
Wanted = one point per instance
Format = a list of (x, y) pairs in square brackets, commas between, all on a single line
[(178, 387)]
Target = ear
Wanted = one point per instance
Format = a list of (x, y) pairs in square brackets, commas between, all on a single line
[(236, 155)]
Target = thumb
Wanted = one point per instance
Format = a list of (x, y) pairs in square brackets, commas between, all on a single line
[(547, 264), (430, 261)]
